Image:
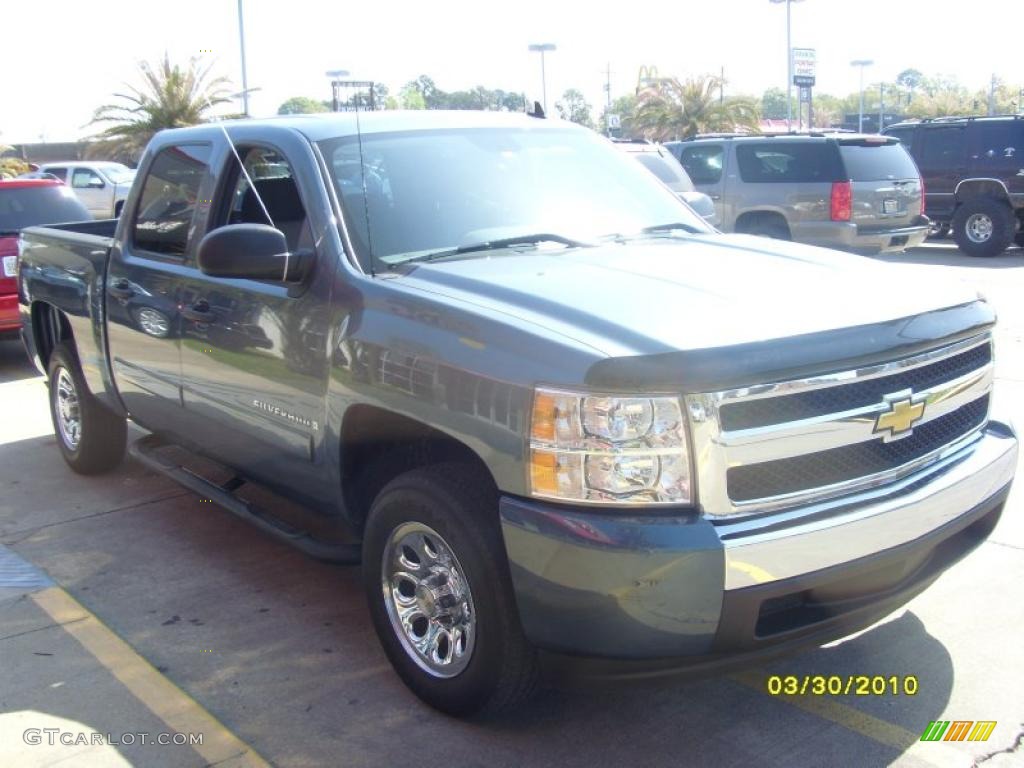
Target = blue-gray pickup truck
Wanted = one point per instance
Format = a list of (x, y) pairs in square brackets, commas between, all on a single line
[(556, 417)]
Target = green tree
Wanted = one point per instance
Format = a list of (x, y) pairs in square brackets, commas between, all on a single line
[(411, 98), (673, 109), (302, 105), (773, 104), (574, 108), (170, 96), (625, 108)]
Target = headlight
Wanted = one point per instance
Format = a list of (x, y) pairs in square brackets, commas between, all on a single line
[(608, 449)]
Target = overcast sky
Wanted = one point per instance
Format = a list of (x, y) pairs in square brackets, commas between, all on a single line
[(61, 58)]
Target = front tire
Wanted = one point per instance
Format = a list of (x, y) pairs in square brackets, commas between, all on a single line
[(90, 437), (983, 226), (440, 595)]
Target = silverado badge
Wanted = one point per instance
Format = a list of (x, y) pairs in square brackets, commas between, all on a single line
[(904, 411)]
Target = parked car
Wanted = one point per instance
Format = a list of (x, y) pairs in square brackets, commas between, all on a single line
[(26, 203), (851, 191), (663, 164), (973, 169), (102, 187), (545, 404)]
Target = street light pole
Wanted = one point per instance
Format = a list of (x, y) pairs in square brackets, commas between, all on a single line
[(860, 115), (245, 78), (789, 61), (543, 48)]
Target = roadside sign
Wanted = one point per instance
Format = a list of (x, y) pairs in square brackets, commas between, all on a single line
[(614, 122), (805, 94), (804, 66)]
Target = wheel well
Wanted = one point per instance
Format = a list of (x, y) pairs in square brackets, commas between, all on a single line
[(50, 327), (968, 190), (378, 445), (749, 220)]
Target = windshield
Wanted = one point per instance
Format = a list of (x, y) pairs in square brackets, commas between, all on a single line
[(22, 207), (117, 173), (874, 161), (435, 190)]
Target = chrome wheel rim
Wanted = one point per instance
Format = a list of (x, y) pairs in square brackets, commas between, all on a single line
[(979, 227), (152, 322), (428, 600), (69, 417)]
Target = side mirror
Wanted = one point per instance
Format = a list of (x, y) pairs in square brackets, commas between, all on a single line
[(250, 252), (95, 183)]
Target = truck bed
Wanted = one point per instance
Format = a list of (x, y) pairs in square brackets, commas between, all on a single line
[(64, 266)]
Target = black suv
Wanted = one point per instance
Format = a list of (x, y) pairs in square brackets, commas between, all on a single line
[(973, 170)]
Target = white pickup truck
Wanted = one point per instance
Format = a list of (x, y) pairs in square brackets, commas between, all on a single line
[(102, 187)]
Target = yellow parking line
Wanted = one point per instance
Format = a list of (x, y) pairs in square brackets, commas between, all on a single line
[(852, 719), (177, 709)]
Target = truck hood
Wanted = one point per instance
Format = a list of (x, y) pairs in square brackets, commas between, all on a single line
[(667, 294)]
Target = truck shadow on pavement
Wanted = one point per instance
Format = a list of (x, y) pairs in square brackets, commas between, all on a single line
[(14, 363), (281, 648), (945, 253)]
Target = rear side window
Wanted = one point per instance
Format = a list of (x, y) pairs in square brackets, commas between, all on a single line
[(60, 173), (703, 163), (169, 198), (784, 163), (904, 136), (871, 161), (30, 206)]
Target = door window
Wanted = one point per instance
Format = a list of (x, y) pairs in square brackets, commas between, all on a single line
[(703, 163), (275, 183), (783, 163), (943, 148), (86, 178), (998, 144), (169, 197)]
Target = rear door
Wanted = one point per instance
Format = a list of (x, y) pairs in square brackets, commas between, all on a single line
[(144, 282), (942, 160), (704, 163), (885, 183), (95, 192)]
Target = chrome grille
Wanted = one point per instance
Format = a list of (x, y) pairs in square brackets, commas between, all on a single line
[(780, 445)]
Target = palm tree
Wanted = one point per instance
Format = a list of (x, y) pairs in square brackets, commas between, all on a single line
[(676, 109), (170, 97)]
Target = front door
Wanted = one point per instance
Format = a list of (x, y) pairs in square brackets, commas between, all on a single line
[(705, 164), (254, 353), (95, 193), (144, 282)]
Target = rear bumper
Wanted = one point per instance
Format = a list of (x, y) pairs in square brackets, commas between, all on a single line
[(840, 234), (10, 318), (615, 596)]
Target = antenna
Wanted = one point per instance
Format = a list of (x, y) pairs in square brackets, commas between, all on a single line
[(366, 198), (252, 185)]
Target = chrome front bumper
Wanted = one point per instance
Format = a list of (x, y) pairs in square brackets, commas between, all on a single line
[(778, 547)]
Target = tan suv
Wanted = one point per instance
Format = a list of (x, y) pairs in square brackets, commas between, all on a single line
[(852, 191)]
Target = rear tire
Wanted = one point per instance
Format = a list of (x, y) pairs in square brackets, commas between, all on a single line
[(90, 437), (983, 226), (767, 226), (434, 566)]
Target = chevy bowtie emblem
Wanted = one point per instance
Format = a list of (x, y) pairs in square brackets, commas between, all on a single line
[(904, 411)]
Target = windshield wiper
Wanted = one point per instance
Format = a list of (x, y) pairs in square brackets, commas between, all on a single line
[(670, 227), (493, 245)]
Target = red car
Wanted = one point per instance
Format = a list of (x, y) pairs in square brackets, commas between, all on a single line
[(25, 203)]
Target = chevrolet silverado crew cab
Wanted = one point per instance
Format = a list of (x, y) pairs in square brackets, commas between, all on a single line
[(556, 417)]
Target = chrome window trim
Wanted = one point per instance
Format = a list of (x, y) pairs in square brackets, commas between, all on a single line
[(716, 450)]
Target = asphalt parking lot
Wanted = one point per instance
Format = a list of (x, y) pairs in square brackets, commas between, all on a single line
[(153, 611)]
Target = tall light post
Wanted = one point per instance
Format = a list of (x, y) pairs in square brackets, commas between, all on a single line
[(335, 75), (860, 115), (789, 62), (245, 77), (543, 48)]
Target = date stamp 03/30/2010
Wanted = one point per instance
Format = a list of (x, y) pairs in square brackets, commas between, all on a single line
[(842, 685)]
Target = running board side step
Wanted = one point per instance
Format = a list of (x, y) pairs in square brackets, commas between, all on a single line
[(146, 450)]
